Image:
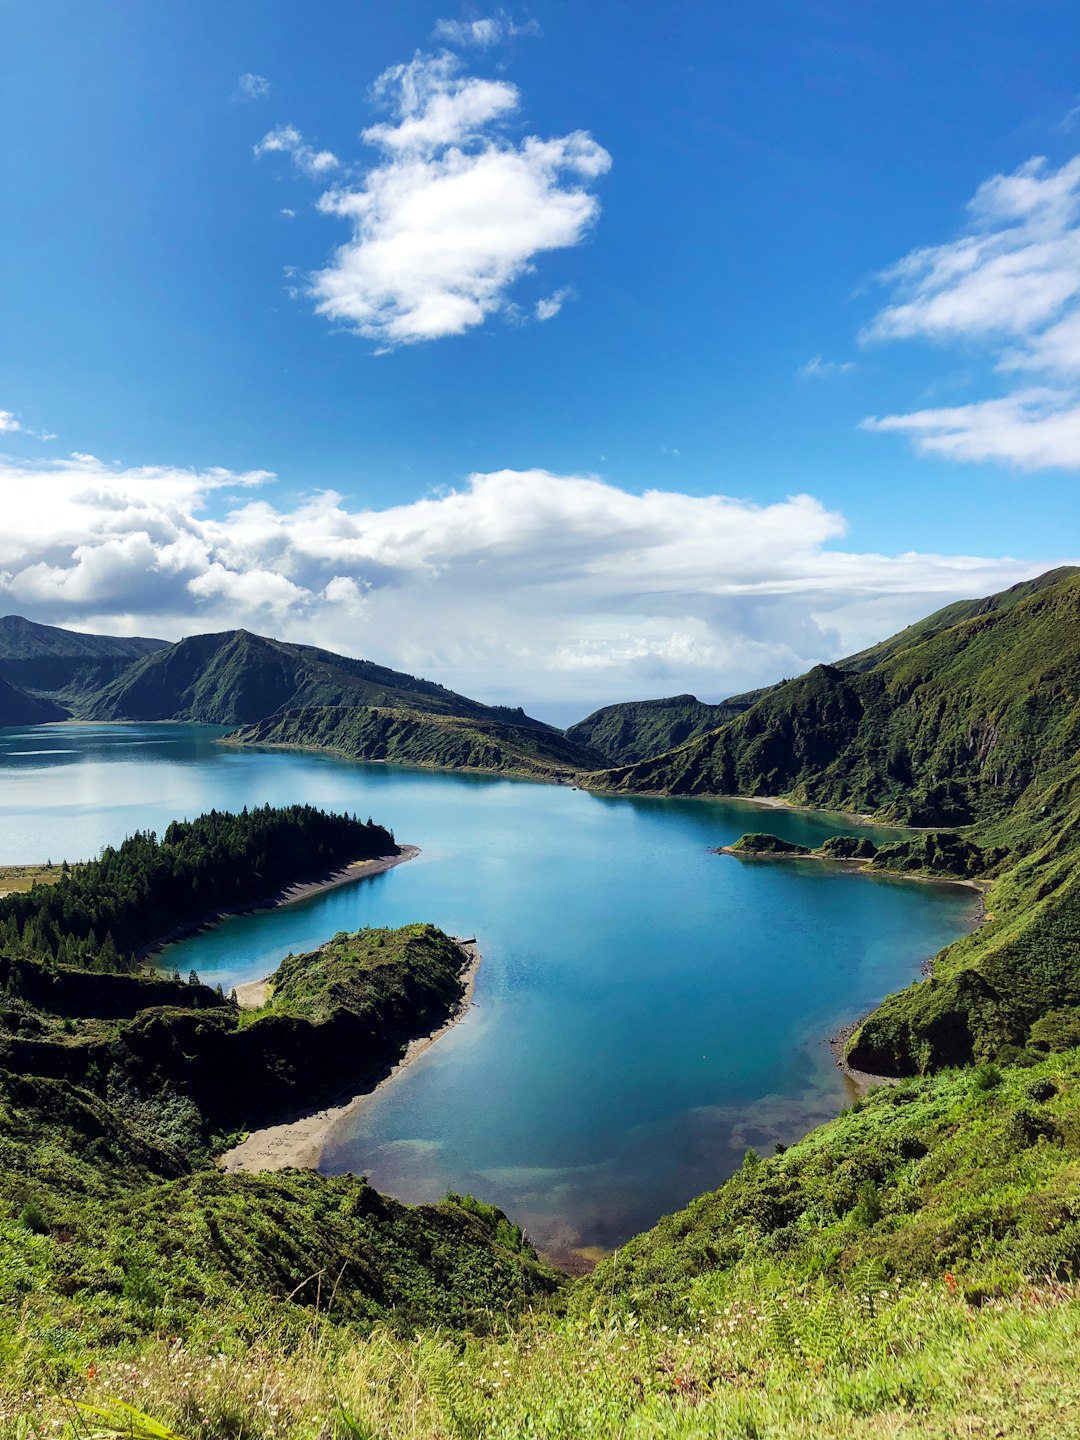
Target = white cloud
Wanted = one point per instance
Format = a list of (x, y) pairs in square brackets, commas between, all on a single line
[(454, 213), (287, 140), (253, 87), (818, 368), (1034, 429), (289, 213), (8, 422), (521, 585), (488, 30), (549, 306), (1010, 283)]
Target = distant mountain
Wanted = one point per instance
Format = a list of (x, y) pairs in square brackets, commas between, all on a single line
[(65, 665), (19, 707), (409, 737), (639, 729), (236, 678)]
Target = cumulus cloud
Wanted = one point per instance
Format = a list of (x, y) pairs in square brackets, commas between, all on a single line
[(287, 140), (520, 585), (9, 424), (1010, 283), (253, 87), (488, 30), (454, 212)]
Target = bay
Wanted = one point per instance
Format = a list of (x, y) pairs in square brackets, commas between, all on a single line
[(645, 1009)]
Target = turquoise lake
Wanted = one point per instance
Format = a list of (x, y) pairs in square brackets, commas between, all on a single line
[(645, 1010)]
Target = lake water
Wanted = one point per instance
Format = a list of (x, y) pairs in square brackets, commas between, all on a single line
[(645, 1010)]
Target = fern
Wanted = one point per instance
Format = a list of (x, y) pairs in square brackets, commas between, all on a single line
[(866, 1279), (781, 1329)]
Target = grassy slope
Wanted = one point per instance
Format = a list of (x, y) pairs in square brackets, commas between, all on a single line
[(950, 730), (110, 1232), (901, 1272), (358, 971), (114, 1222), (410, 738)]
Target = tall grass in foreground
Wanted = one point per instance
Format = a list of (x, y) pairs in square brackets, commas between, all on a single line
[(870, 1359)]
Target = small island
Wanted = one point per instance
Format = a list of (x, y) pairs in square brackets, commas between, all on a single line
[(755, 843), (932, 854)]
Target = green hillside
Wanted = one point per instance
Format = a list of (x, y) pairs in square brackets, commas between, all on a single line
[(21, 707), (65, 666), (951, 729), (638, 729), (905, 1271), (407, 737), (236, 678)]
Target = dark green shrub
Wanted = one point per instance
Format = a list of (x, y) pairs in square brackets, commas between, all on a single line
[(33, 1218), (1025, 1126), (1040, 1090), (986, 1077), (867, 1211)]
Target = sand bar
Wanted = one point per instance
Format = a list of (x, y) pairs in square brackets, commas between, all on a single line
[(299, 1143)]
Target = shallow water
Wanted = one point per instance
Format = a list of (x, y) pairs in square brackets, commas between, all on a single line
[(645, 1010)]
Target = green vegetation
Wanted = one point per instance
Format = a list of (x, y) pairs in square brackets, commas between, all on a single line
[(907, 1270), (638, 729), (337, 1021), (643, 729), (407, 737), (113, 1228), (968, 724), (754, 843), (237, 678), (105, 914), (931, 854), (59, 670), (116, 1091)]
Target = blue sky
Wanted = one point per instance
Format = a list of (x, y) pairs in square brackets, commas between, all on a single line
[(717, 193)]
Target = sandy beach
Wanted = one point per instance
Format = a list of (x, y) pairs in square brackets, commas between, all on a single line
[(299, 1143), (355, 870)]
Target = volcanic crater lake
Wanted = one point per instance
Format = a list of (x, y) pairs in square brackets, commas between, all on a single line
[(645, 1009)]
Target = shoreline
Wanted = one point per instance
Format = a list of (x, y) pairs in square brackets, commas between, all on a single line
[(554, 777), (299, 1143), (858, 867), (288, 895), (863, 1080)]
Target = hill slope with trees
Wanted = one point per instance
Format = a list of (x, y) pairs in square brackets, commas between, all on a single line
[(408, 737)]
